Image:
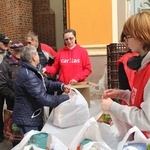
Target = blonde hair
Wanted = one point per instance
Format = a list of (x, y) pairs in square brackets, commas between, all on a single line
[(138, 26)]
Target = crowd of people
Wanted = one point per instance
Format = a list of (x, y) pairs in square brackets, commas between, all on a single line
[(26, 89)]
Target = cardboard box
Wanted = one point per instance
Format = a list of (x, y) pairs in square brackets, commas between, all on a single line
[(83, 88)]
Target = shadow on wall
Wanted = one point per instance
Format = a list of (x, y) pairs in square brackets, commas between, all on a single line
[(98, 66)]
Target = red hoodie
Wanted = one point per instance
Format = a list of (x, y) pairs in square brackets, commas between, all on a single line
[(71, 64)]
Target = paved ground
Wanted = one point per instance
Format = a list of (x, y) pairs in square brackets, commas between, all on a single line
[(5, 145)]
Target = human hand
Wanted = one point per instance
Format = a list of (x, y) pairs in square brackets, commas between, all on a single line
[(43, 70), (67, 88), (111, 93), (106, 104), (73, 82)]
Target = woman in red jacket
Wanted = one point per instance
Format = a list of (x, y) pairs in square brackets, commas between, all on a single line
[(72, 61), (137, 112)]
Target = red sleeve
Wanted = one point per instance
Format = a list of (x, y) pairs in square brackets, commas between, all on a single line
[(54, 69), (48, 49)]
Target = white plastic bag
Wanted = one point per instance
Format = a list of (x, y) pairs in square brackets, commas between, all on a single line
[(97, 91), (139, 137), (71, 112), (113, 134), (31, 147), (90, 131), (24, 141), (97, 145), (46, 113), (52, 142)]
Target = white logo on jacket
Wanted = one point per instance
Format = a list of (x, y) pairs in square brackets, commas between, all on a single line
[(71, 60)]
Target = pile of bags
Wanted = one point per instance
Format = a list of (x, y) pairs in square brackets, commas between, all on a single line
[(88, 138), (93, 135), (36, 140)]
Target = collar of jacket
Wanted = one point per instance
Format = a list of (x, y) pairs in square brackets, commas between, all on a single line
[(36, 70)]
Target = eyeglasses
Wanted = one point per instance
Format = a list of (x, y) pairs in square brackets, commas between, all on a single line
[(127, 37), (70, 38)]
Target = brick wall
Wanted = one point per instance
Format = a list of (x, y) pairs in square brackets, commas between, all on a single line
[(44, 22), (16, 18)]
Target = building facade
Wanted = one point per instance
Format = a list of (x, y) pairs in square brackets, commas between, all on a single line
[(97, 23)]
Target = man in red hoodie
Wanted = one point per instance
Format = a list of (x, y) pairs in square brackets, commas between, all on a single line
[(72, 61)]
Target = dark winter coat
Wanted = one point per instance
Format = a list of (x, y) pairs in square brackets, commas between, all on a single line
[(9, 68), (31, 94)]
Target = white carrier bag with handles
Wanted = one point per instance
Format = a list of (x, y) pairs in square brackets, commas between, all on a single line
[(113, 134), (52, 142), (90, 131), (139, 137), (72, 112)]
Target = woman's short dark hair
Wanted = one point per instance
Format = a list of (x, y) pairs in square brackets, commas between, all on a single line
[(68, 31)]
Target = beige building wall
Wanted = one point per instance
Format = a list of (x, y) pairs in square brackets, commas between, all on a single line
[(123, 13), (56, 6), (97, 51)]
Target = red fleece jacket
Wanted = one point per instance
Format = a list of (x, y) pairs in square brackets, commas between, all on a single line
[(71, 64)]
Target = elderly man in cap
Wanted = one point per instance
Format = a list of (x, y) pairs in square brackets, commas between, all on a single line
[(9, 68), (4, 43)]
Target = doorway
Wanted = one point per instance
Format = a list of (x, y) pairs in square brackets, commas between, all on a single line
[(59, 7)]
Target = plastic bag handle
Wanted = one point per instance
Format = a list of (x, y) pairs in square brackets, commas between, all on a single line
[(132, 130), (74, 90)]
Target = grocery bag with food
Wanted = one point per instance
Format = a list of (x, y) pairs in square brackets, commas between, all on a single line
[(73, 112), (140, 142), (112, 129), (89, 137)]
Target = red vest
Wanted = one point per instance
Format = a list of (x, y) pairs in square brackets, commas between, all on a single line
[(129, 72), (140, 80)]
